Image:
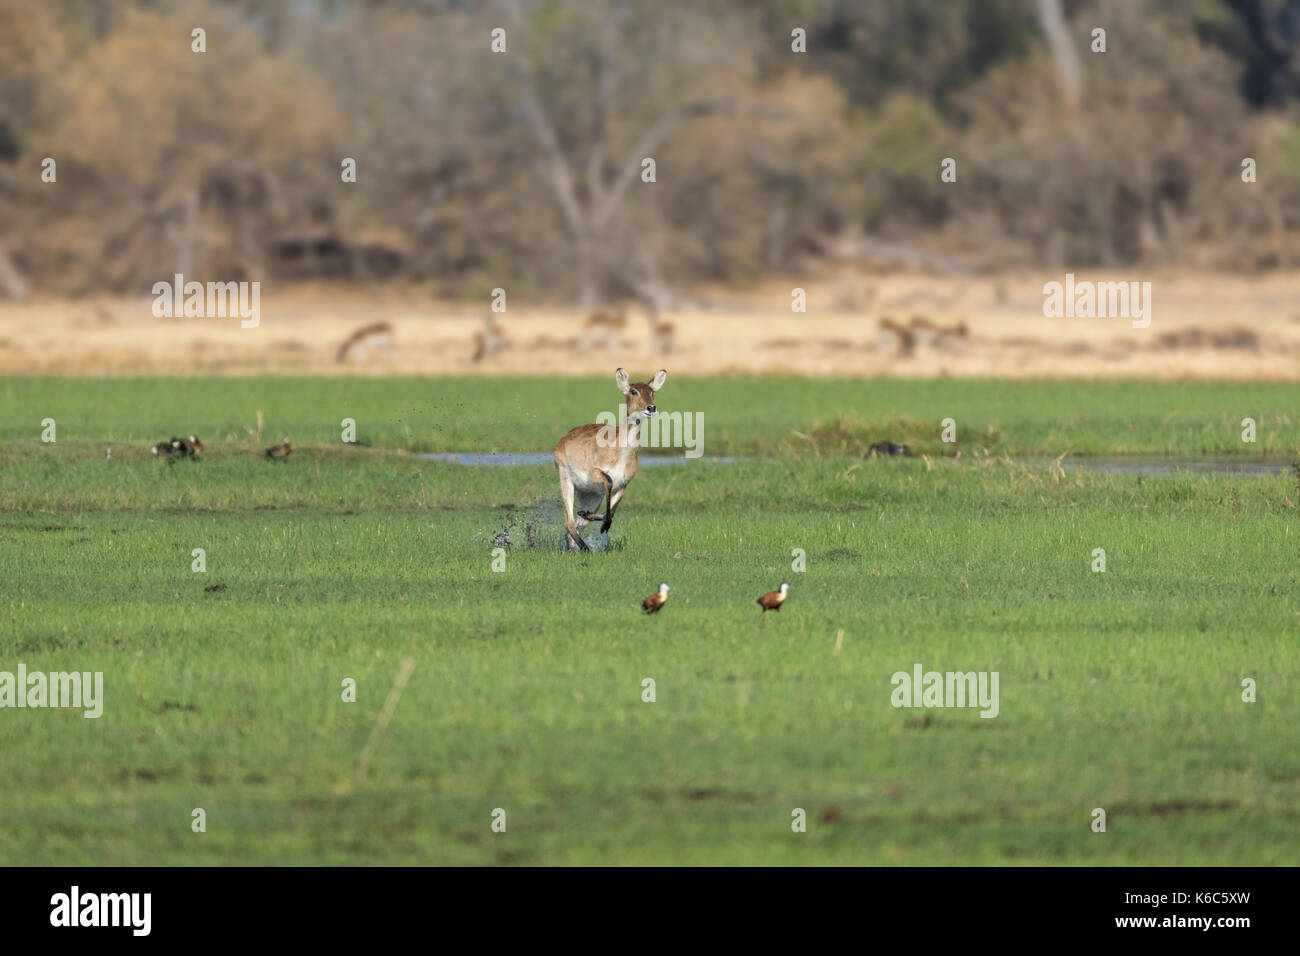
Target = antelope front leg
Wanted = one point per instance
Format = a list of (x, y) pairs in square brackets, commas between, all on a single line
[(611, 504)]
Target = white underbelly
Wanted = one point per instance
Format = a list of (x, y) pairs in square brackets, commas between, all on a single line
[(589, 483)]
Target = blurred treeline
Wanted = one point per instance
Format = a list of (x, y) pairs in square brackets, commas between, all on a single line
[(477, 169)]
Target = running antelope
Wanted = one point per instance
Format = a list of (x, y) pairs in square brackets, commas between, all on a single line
[(598, 462)]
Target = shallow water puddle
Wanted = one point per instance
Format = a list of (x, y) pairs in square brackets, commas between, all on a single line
[(508, 459), (1147, 467)]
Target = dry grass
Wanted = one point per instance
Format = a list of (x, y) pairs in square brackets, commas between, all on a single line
[(1204, 327)]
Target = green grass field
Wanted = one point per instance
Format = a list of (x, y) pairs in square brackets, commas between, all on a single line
[(1119, 690), (791, 417)]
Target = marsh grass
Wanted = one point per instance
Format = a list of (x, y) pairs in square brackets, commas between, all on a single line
[(1119, 690)]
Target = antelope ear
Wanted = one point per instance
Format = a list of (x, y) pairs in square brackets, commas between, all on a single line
[(658, 381), (620, 377)]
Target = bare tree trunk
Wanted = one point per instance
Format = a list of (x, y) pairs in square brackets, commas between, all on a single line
[(1051, 20), (589, 271), (185, 232), (12, 283)]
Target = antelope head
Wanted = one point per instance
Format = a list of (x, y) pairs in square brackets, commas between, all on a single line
[(639, 397)]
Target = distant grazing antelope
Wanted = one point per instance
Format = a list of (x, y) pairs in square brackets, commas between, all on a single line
[(491, 340), (953, 338), (941, 338), (603, 330), (924, 332), (663, 335), (895, 338), (376, 335), (598, 462)]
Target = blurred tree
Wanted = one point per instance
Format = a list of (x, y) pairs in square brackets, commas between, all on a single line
[(1270, 75), (179, 160), (524, 168)]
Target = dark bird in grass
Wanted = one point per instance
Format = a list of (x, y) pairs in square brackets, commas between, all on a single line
[(772, 600), (188, 447), (280, 451), (178, 447), (654, 602), (889, 448)]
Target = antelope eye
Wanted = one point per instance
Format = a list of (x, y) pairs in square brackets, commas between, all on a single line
[(634, 391)]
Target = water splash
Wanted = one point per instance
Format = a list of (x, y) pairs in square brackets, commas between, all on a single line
[(540, 527)]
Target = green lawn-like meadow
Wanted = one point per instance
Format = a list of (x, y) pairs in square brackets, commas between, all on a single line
[(1119, 690)]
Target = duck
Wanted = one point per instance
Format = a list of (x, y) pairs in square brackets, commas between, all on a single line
[(280, 452), (188, 447), (184, 447), (889, 448)]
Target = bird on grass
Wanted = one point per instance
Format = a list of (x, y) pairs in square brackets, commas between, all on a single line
[(889, 448), (772, 600), (654, 602), (280, 452), (188, 447), (182, 447)]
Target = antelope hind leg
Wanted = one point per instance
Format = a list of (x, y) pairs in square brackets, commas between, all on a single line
[(571, 530)]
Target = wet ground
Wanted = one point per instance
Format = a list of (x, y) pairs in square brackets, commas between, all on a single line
[(1146, 466)]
